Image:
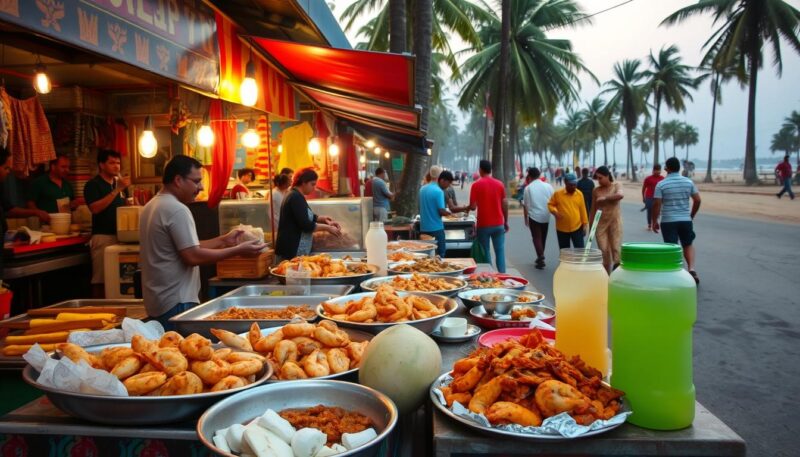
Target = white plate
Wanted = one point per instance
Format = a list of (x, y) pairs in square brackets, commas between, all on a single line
[(472, 332)]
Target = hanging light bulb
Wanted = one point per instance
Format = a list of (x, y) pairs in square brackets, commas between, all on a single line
[(148, 145), (280, 148), (377, 151), (363, 159), (430, 151), (251, 139), (370, 144), (314, 146), (205, 136), (333, 150), (387, 154), (41, 82), (248, 90)]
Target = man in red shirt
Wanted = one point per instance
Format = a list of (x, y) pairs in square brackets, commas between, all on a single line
[(784, 170), (488, 196), (648, 190)]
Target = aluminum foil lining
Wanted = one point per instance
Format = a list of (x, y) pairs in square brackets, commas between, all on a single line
[(559, 425)]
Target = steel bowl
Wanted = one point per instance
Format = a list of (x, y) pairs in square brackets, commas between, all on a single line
[(245, 406), (393, 271), (134, 410), (353, 280), (497, 302), (457, 285), (425, 325), (471, 298)]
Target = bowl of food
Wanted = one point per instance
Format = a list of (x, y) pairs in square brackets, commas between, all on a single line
[(373, 312), (300, 418), (418, 282), (472, 298), (495, 281), (423, 247), (165, 383), (497, 303), (322, 269), (403, 255), (433, 266)]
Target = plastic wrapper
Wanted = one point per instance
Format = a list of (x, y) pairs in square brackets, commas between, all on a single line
[(36, 357), (250, 233), (96, 337), (66, 375), (558, 426), (152, 330), (101, 382)]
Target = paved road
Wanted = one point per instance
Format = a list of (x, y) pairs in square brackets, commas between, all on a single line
[(747, 335)]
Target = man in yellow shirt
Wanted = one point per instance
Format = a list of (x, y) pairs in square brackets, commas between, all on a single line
[(569, 209)]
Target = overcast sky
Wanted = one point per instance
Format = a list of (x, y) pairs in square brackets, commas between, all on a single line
[(632, 30)]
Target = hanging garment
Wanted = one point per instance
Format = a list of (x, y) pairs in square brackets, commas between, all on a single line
[(120, 141), (295, 147), (30, 142)]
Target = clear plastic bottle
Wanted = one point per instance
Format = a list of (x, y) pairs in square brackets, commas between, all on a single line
[(376, 241), (653, 307), (580, 289)]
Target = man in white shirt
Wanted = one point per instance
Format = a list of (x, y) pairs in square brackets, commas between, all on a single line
[(537, 216)]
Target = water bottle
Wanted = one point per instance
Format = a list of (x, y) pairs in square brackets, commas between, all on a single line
[(376, 242), (653, 306)]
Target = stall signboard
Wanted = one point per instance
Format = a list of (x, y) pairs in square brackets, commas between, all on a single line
[(172, 38)]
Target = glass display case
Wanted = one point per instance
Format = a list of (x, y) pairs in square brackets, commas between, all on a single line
[(255, 212), (354, 214)]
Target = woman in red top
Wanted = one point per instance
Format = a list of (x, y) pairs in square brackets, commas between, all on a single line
[(240, 190), (648, 189)]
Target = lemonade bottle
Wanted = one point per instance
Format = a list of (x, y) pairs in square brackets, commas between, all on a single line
[(580, 289), (653, 306)]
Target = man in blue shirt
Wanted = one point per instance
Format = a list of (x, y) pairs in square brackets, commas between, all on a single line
[(432, 207), (380, 196), (671, 202)]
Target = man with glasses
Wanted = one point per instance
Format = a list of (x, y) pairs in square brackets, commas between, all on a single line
[(169, 248)]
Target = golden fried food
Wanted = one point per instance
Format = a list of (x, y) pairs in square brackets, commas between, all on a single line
[(527, 381), (144, 383), (410, 245), (386, 306), (331, 421), (397, 256), (286, 313), (232, 340), (522, 312), (184, 383), (302, 350), (323, 266), (324, 241), (421, 283), (426, 266)]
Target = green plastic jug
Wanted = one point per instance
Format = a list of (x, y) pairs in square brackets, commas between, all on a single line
[(652, 304)]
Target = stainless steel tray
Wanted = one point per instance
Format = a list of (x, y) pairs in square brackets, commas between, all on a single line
[(393, 265), (195, 320), (257, 290), (353, 280), (425, 325), (371, 285), (134, 410), (471, 298), (18, 363)]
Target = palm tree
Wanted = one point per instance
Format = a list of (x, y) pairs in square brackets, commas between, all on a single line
[(669, 130), (792, 122), (500, 102), (644, 138), (596, 123), (785, 140), (686, 136), (628, 99), (669, 82), (573, 135), (543, 70), (747, 25)]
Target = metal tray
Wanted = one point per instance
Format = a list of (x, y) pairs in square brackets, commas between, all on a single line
[(243, 407), (371, 285), (353, 280), (427, 326), (134, 410), (16, 362), (423, 247), (471, 297), (195, 320), (274, 291), (456, 273)]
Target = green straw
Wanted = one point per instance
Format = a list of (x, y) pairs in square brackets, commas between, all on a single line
[(592, 232)]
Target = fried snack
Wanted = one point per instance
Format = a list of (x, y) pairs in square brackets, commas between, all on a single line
[(527, 381), (522, 313), (410, 245), (53, 337), (324, 241), (20, 349), (421, 283), (323, 266), (302, 350), (427, 266), (397, 256), (286, 313), (386, 306), (332, 421)]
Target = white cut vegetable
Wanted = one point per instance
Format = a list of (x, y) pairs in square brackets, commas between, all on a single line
[(234, 437), (338, 448), (221, 443), (265, 443), (326, 451), (306, 442), (354, 440), (273, 422)]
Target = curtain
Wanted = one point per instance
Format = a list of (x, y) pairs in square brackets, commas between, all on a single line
[(224, 152)]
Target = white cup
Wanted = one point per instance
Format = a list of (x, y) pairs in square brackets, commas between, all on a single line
[(454, 326)]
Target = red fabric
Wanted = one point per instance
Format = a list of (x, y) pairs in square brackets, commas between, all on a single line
[(120, 139), (406, 117), (238, 189), (349, 148), (785, 169), (650, 185), (323, 133), (224, 152), (29, 141), (368, 188), (487, 194)]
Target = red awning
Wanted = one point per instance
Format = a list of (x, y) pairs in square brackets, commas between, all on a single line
[(372, 87)]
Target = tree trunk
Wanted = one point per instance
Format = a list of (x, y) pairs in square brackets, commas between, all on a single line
[(512, 144), (657, 132), (594, 147), (630, 157), (406, 203), (750, 175), (497, 141), (605, 153), (397, 26)]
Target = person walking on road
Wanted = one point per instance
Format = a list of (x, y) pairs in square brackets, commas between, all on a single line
[(671, 203), (586, 186), (380, 196), (537, 217), (569, 209), (488, 196), (784, 170), (648, 188), (606, 197)]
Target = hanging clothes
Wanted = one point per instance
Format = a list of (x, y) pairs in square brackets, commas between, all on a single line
[(30, 142), (295, 147), (120, 143)]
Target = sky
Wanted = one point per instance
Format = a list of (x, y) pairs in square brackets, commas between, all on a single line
[(632, 31)]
